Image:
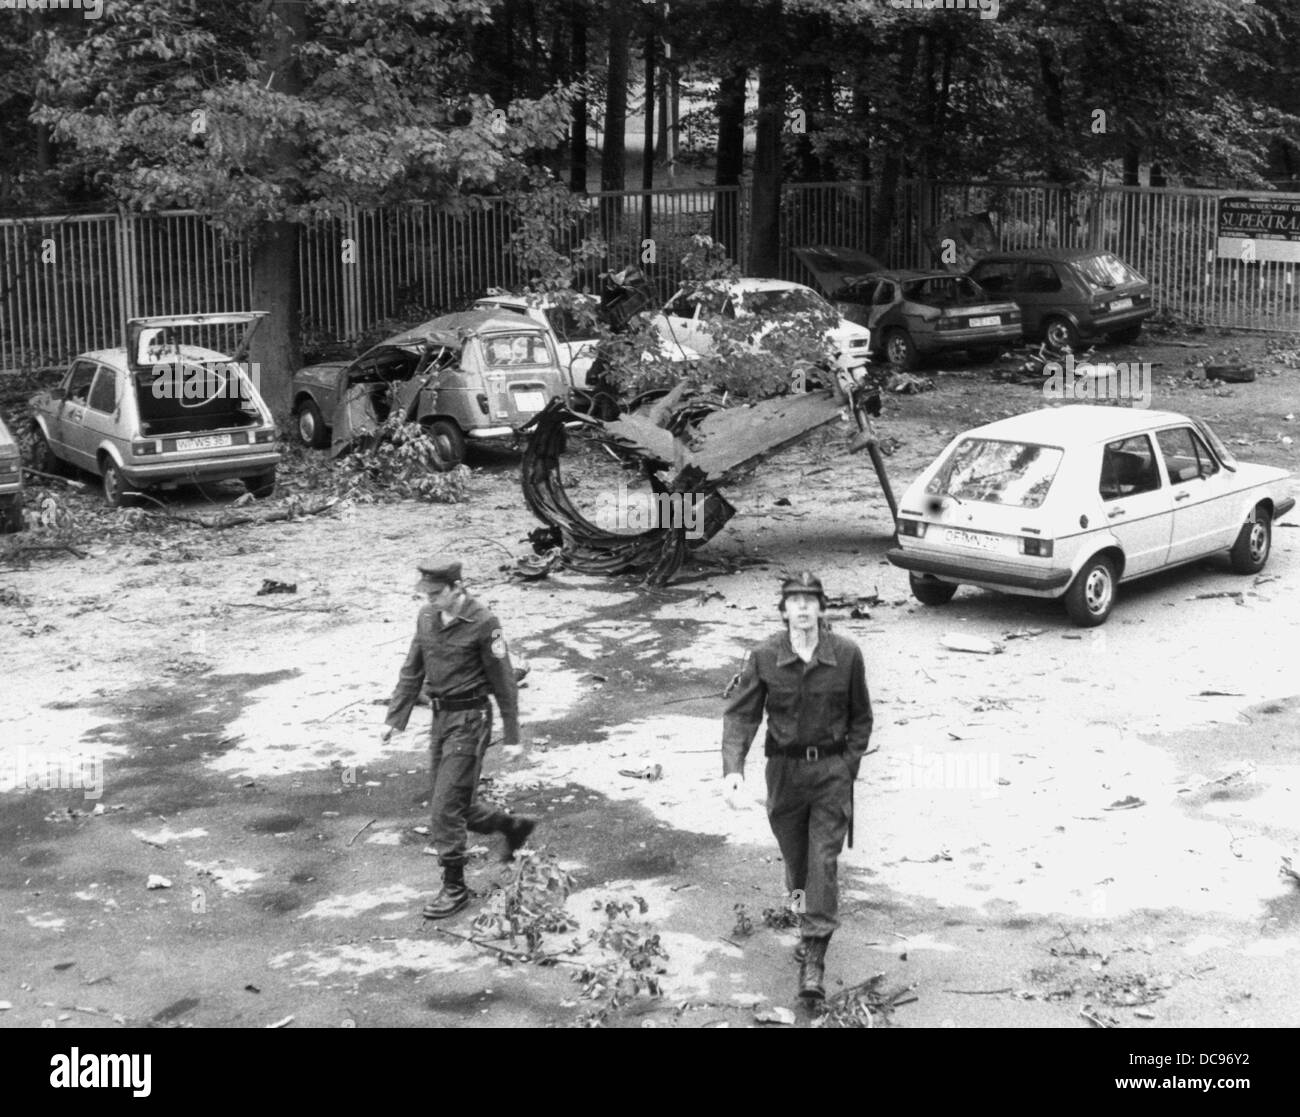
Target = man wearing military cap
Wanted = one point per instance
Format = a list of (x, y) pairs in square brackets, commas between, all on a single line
[(459, 651), (813, 685)]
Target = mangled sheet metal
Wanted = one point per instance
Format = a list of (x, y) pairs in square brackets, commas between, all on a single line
[(684, 470)]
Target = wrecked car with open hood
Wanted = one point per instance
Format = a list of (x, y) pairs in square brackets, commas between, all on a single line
[(472, 376), (913, 314)]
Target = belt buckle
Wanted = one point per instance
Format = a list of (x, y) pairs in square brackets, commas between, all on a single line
[(811, 753), (436, 703)]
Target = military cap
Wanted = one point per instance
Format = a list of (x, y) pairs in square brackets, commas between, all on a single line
[(439, 569), (803, 582)]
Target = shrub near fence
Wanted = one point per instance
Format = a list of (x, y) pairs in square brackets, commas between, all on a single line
[(67, 284)]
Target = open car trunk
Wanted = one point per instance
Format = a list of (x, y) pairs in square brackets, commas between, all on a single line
[(198, 401)]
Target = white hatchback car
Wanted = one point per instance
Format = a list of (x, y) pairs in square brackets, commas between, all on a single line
[(688, 319), (1072, 501)]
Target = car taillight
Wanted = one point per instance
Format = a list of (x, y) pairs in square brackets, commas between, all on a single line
[(1042, 548), (141, 449), (1012, 315), (911, 527), (267, 435), (9, 466), (482, 402), (949, 324), (1099, 308)]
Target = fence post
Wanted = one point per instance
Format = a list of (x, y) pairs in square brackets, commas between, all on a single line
[(127, 279), (352, 276)]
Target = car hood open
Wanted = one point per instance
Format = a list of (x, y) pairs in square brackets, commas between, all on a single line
[(832, 266)]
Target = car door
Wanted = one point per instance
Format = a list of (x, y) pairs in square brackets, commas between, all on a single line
[(1137, 504), (99, 420), (68, 420), (1204, 521)]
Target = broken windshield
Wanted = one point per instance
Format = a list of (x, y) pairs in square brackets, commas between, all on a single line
[(995, 472), (1106, 270)]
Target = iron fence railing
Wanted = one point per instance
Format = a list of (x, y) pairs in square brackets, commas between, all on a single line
[(67, 284)]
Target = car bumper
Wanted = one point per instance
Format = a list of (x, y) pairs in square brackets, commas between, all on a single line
[(1282, 507), (1120, 320), (200, 469), (980, 571), (490, 432), (967, 339)]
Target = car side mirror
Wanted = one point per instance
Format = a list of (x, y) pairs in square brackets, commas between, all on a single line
[(58, 393)]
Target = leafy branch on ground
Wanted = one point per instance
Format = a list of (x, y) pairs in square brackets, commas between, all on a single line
[(633, 961), (400, 461), (529, 907)]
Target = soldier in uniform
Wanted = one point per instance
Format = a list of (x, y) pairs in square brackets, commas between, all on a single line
[(813, 685), (460, 652)]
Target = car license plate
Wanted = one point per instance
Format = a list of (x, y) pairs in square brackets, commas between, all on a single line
[(204, 442), (529, 401), (992, 320), (1121, 304), (977, 539)]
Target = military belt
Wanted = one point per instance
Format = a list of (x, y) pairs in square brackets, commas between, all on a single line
[(812, 752), (463, 702)]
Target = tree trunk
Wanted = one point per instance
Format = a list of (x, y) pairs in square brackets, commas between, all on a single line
[(1054, 110), (275, 351), (613, 152), (730, 157), (765, 202), (891, 174), (275, 348), (578, 134), (648, 137)]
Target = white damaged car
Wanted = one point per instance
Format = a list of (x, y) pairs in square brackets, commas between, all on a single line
[(1070, 502)]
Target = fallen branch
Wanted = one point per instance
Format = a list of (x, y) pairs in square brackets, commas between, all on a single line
[(513, 955), (54, 477), (980, 992), (363, 829), (225, 520), (1092, 1019), (285, 608)]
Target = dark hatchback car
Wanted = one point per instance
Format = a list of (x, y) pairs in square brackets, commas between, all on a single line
[(1069, 294), (913, 314)]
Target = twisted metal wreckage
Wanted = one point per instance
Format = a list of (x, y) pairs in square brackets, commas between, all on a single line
[(688, 447)]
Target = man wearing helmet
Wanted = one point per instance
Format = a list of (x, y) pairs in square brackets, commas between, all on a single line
[(813, 685)]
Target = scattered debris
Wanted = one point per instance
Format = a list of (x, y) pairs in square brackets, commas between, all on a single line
[(654, 772), (1128, 803), (1235, 595), (363, 829), (282, 1023), (1234, 373), (1219, 694), (775, 1015), (155, 881), (1289, 870), (744, 925), (270, 585), (1022, 634), (956, 642), (862, 1005)]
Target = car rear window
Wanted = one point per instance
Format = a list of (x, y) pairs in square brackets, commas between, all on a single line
[(516, 350), (1106, 270), (791, 300), (992, 471)]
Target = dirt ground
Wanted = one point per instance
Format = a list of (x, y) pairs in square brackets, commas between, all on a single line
[(236, 738)]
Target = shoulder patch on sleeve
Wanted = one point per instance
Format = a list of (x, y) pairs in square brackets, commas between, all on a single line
[(498, 645)]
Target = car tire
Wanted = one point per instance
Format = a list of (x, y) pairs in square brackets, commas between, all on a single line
[(1128, 335), (261, 485), (1254, 542), (310, 424), (931, 591), (450, 442), (900, 350), (11, 513), (43, 457), (116, 488), (1060, 333), (1091, 595)]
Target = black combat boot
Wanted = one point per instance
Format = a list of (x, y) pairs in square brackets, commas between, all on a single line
[(516, 831), (812, 970), (454, 895)]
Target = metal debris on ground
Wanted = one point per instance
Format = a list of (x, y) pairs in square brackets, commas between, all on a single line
[(775, 1015), (270, 585), (687, 445), (654, 772), (956, 642), (1128, 803)]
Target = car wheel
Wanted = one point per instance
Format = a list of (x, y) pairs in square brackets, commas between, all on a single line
[(1060, 333), (450, 443), (261, 485), (900, 352), (1128, 335), (931, 591), (43, 459), (1091, 595), (1254, 541), (116, 490), (311, 426), (11, 514)]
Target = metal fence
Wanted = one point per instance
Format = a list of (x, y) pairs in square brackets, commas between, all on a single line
[(67, 284)]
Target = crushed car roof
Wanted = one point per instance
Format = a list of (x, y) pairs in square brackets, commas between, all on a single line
[(450, 329), (1057, 254), (1077, 424)]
